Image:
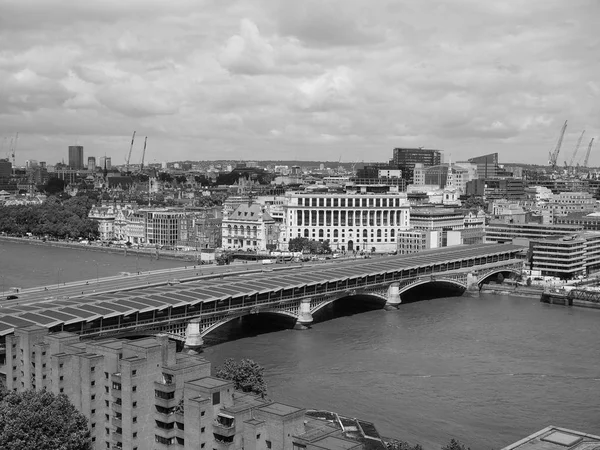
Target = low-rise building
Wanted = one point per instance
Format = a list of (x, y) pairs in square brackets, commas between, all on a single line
[(501, 232), (249, 227), (555, 438)]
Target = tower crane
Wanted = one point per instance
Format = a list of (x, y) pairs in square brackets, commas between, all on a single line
[(587, 155), (129, 155), (576, 148), (554, 155), (143, 154), (14, 149)]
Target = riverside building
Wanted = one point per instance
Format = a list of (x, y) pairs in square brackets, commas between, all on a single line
[(351, 222), (141, 394)]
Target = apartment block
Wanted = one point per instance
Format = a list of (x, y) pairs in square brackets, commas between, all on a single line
[(141, 394)]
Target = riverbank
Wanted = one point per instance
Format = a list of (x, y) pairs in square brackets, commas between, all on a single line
[(145, 252), (513, 291)]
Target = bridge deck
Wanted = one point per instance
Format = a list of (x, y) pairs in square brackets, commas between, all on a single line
[(53, 312)]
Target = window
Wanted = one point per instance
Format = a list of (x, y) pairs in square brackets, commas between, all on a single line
[(94, 397), (60, 366), (92, 369), (165, 395), (106, 389), (62, 390), (106, 375), (106, 403), (202, 413), (133, 373), (43, 377), (93, 411), (258, 436), (216, 398), (268, 444), (61, 378), (134, 405), (202, 445), (135, 419), (135, 435), (134, 388), (93, 425), (107, 431), (43, 366), (93, 383), (202, 430), (298, 446)]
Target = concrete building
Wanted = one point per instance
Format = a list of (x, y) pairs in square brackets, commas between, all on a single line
[(5, 168), (105, 162), (249, 227), (76, 157), (567, 256), (502, 232), (405, 159), (91, 163), (565, 203), (555, 438), (415, 241), (487, 165), (162, 227), (350, 222), (589, 222), (141, 395)]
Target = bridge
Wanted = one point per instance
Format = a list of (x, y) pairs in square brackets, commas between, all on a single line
[(191, 310)]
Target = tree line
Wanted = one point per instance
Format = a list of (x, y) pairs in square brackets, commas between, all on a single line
[(55, 218)]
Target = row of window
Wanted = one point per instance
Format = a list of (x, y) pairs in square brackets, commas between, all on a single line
[(351, 202)]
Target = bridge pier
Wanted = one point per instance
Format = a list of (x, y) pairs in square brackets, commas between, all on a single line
[(193, 336), (305, 318), (472, 286), (393, 297)]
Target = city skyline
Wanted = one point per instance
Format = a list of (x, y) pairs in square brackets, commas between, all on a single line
[(318, 81)]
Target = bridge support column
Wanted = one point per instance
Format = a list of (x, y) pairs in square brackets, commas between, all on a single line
[(472, 286), (393, 297), (305, 318), (193, 336)]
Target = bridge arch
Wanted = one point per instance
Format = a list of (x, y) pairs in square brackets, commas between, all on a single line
[(409, 287), (232, 317), (329, 301), (495, 272)]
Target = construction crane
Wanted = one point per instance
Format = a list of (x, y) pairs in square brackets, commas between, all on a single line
[(129, 155), (554, 155), (587, 155), (143, 154), (576, 149), (14, 149)]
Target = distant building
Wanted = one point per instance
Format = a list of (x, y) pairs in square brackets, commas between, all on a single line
[(31, 164), (405, 159), (249, 227), (91, 164), (589, 222), (501, 232), (5, 168), (105, 162), (565, 203), (76, 157), (487, 165)]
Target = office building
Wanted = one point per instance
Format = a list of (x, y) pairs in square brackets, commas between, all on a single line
[(501, 232), (91, 164), (565, 203), (76, 157), (105, 162), (249, 227), (589, 222), (406, 158), (567, 256), (487, 165), (5, 168), (350, 222), (141, 394)]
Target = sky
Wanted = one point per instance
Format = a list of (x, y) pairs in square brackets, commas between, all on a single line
[(316, 80)]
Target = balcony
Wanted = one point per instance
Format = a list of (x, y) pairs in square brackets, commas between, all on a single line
[(222, 429), (116, 422), (164, 387), (116, 407), (223, 444)]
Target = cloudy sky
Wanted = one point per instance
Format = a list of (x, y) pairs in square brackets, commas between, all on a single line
[(304, 79)]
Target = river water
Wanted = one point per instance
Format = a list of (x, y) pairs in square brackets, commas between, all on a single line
[(27, 265), (486, 370)]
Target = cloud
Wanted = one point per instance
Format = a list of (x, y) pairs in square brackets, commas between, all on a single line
[(270, 79)]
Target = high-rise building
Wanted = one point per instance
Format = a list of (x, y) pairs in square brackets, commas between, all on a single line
[(91, 165), (76, 157), (5, 168), (406, 158), (487, 165), (105, 160), (31, 164)]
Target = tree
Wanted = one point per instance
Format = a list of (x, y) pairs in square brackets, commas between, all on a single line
[(500, 278), (247, 375), (455, 445), (34, 420), (401, 445), (54, 186), (298, 244)]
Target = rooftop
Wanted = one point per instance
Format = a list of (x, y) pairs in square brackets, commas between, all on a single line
[(280, 409), (209, 382), (555, 438)]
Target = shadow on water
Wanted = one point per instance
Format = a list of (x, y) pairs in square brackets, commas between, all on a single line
[(248, 326), (430, 291), (348, 306)]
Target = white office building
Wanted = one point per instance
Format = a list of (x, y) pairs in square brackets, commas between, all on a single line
[(351, 222)]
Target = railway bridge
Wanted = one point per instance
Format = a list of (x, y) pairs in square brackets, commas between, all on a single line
[(191, 310)]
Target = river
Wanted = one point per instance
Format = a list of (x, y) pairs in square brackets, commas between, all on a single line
[(488, 371), (26, 265)]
